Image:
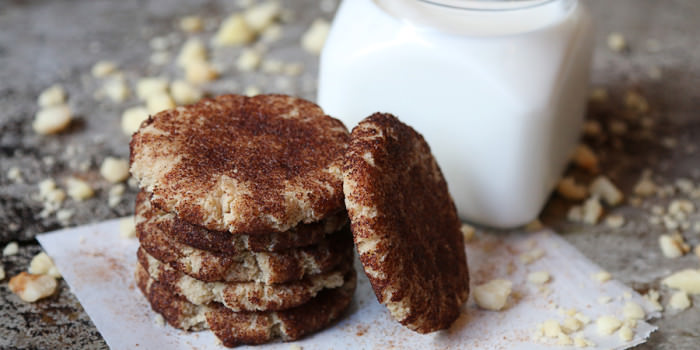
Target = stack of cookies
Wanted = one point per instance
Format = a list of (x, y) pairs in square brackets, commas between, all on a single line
[(241, 220)]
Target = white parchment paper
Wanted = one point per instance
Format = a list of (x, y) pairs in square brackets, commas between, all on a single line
[(98, 266)]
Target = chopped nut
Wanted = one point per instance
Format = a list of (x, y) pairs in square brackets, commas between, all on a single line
[(686, 280), (132, 119), (571, 325), (493, 295), (234, 31), (686, 186), (315, 37), (607, 324), (591, 211), (531, 256), (652, 297), (42, 264), (604, 188), (251, 91), (626, 333), (78, 189), (601, 276), (102, 69), (538, 277), (115, 195), (563, 339), (31, 288), (159, 320), (14, 174), (271, 66), (468, 232), (11, 248), (185, 93), (191, 24), (671, 246), (569, 189), (200, 72), (115, 170), (159, 102), (586, 159), (551, 328), (127, 227), (53, 96), (679, 301), (193, 50), (681, 206), (615, 221), (248, 60), (51, 120), (292, 69), (260, 16), (116, 89), (581, 342), (616, 42), (575, 214), (583, 318), (272, 33), (64, 215), (645, 187), (632, 311), (146, 87)]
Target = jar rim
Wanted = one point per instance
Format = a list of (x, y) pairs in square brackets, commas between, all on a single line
[(488, 5)]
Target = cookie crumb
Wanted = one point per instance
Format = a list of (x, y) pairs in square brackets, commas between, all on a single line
[(602, 276), (52, 119), (315, 37), (127, 227), (679, 301), (493, 295), (31, 287), (468, 232), (607, 325), (11, 248), (616, 42), (115, 170), (538, 277), (687, 280), (569, 189)]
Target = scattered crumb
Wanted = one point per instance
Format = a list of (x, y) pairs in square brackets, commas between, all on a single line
[(617, 42), (315, 37), (116, 89), (575, 214), (681, 206), (615, 221), (569, 189), (538, 277), (251, 91), (127, 227), (292, 69), (652, 296), (160, 58), (51, 120), (605, 189), (191, 24), (14, 174), (249, 60), (608, 324), (645, 187), (583, 318), (132, 119), (626, 333), (102, 69), (64, 215), (234, 31), (468, 232), (159, 320), (295, 347), (602, 276), (115, 195), (78, 189), (571, 325), (679, 301), (687, 280), (671, 246), (42, 264), (493, 295), (585, 158), (563, 339), (159, 102), (200, 72), (551, 328), (11, 248), (261, 16), (193, 50), (146, 87), (591, 211), (185, 93), (531, 256), (581, 342), (633, 311), (115, 170), (272, 66), (53, 96), (617, 127), (272, 33), (30, 287)]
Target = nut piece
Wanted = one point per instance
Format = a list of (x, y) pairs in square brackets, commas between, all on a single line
[(617, 42), (51, 120), (260, 16), (315, 37), (652, 296), (538, 277), (146, 87), (592, 211), (626, 333), (132, 119), (159, 102), (645, 187), (581, 342), (679, 301), (234, 31), (193, 50), (571, 325), (31, 288), (569, 189), (200, 72), (191, 24), (102, 69), (531, 256), (686, 280), (116, 89), (551, 328), (43, 265), (78, 189), (248, 60), (115, 170), (493, 295), (127, 227), (585, 158), (607, 324), (185, 93), (604, 188), (602, 276), (468, 232), (671, 246), (53, 96), (632, 311), (11, 248), (615, 221)]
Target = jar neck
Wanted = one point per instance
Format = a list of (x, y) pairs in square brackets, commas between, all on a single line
[(479, 17)]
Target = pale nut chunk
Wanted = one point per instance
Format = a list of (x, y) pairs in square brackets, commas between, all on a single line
[(584, 158), (581, 342), (249, 60), (571, 325), (15, 174), (315, 37), (132, 119), (191, 24), (42, 264), (127, 227), (569, 189), (468, 232), (538, 277), (11, 248), (679, 301), (670, 246), (601, 276), (159, 102), (617, 42), (591, 211), (64, 215), (102, 69), (272, 66), (605, 189), (615, 221), (645, 187), (681, 206), (51, 120), (564, 340), (115, 170), (251, 91), (261, 16), (78, 189), (626, 333), (633, 311), (551, 328), (200, 72), (193, 50), (607, 325), (185, 93), (234, 31), (31, 288), (116, 89), (531, 256), (53, 96), (272, 33), (592, 128), (652, 296), (49, 193), (146, 87), (686, 280), (493, 295)]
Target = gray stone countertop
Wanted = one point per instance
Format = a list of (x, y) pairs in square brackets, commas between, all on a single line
[(47, 42)]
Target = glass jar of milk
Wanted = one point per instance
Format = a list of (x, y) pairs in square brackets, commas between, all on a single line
[(497, 88)]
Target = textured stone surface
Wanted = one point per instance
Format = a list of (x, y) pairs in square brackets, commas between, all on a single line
[(43, 43)]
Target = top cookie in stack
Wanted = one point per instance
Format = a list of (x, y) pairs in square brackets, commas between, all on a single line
[(241, 220)]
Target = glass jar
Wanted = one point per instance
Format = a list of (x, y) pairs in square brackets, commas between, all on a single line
[(497, 88)]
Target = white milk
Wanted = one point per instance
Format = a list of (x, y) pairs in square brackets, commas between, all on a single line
[(498, 95)]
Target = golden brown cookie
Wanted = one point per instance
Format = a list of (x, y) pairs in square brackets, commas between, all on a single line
[(405, 224), (236, 328), (223, 242), (242, 164)]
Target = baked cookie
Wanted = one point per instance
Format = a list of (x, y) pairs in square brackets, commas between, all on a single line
[(244, 296), (242, 164), (236, 328), (199, 237), (405, 224)]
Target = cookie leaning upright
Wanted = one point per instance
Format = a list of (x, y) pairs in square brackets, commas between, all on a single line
[(405, 224), (242, 164)]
